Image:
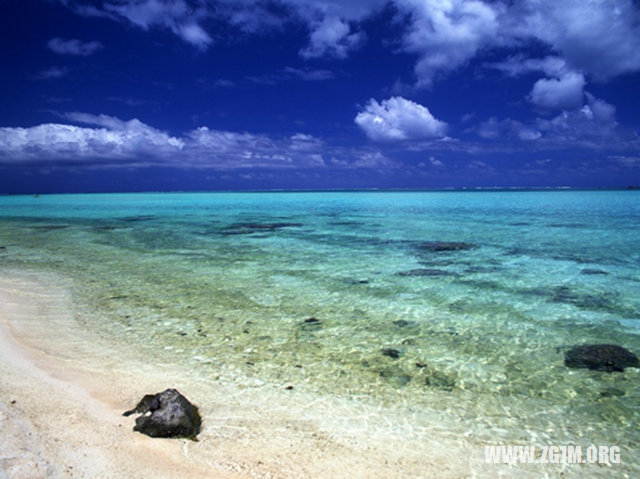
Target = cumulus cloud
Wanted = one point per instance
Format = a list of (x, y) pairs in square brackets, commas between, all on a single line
[(563, 90), (591, 125), (73, 47), (334, 25), (435, 162), (399, 119), (598, 37), (332, 37), (446, 34), (564, 93)]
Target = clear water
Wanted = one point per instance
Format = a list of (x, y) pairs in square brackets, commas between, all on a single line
[(478, 294)]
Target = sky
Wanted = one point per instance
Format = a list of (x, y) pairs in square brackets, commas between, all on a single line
[(155, 95)]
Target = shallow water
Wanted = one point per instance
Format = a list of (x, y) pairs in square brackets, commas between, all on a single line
[(453, 309)]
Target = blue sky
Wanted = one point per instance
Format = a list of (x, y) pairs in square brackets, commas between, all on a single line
[(126, 95)]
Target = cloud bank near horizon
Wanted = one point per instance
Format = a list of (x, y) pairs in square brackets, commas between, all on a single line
[(105, 141)]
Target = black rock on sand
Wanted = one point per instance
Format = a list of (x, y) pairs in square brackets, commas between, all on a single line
[(171, 415)]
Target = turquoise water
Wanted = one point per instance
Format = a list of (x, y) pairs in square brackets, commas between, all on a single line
[(461, 302)]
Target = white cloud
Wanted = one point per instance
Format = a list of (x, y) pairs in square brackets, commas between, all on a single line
[(564, 93), (591, 125), (73, 47), (290, 73), (52, 73), (552, 66), (372, 159), (332, 37), (447, 33), (435, 162), (333, 24), (601, 111), (194, 34), (399, 119), (631, 161), (527, 133), (304, 142), (365, 159), (174, 15), (103, 141), (107, 140), (597, 38), (494, 129), (232, 150), (310, 75), (115, 140), (564, 90)]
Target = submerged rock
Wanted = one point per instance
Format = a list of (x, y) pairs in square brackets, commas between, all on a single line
[(49, 227), (252, 228), (395, 376), (391, 352), (440, 380), (598, 301), (440, 246), (171, 415), (135, 219), (612, 392), (402, 323), (600, 357), (426, 272), (357, 281), (593, 271), (311, 323), (105, 228)]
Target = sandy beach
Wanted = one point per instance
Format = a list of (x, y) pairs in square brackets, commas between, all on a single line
[(64, 386), (63, 391)]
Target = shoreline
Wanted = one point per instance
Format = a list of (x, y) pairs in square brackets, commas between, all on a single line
[(64, 387), (63, 391), (61, 419)]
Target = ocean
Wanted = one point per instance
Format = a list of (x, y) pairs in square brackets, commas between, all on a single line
[(444, 311)]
